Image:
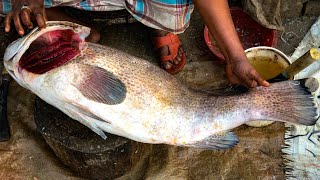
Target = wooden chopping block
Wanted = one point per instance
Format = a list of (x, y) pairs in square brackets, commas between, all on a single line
[(83, 150)]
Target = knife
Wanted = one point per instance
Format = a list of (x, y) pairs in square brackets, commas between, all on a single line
[(297, 66), (4, 124)]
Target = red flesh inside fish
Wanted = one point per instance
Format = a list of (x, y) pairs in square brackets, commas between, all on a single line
[(51, 50)]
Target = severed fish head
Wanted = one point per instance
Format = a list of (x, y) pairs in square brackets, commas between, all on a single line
[(44, 49)]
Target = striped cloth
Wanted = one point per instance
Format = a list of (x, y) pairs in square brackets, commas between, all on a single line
[(169, 15)]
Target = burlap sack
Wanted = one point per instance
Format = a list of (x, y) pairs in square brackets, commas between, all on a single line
[(270, 13)]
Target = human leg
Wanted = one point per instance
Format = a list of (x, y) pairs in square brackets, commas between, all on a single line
[(167, 18), (168, 47)]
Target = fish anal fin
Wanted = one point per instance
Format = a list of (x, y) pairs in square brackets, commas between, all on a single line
[(100, 85), (85, 120), (88, 113), (219, 141)]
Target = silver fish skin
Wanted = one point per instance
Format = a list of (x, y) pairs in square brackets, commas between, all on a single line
[(111, 91)]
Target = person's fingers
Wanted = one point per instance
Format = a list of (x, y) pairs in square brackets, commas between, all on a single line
[(233, 80), (40, 20), (253, 84), (25, 17), (245, 79), (231, 77), (40, 17), (264, 83), (248, 82), (7, 22), (256, 76), (17, 23)]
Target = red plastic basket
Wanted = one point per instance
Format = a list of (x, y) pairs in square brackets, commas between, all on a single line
[(250, 32)]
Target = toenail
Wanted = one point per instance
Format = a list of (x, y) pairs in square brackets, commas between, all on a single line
[(167, 65), (175, 62)]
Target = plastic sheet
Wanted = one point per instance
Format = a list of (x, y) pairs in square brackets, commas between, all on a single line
[(302, 143)]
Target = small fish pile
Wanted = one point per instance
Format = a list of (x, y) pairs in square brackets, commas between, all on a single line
[(111, 91)]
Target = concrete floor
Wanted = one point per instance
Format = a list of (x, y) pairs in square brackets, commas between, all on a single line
[(257, 156)]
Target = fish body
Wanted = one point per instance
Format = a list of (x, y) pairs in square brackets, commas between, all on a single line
[(111, 91)]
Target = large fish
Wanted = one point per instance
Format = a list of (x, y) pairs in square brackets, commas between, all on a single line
[(111, 91)]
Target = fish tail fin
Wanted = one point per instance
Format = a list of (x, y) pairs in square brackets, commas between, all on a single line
[(215, 142), (287, 101)]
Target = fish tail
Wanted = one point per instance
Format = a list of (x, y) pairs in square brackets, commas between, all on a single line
[(287, 101)]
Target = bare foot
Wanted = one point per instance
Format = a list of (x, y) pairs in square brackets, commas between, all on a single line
[(173, 63), (57, 14)]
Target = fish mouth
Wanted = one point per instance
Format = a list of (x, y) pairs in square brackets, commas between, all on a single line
[(50, 50)]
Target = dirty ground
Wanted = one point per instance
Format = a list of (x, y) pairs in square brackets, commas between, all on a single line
[(257, 156)]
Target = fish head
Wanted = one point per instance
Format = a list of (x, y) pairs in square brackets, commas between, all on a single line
[(43, 50)]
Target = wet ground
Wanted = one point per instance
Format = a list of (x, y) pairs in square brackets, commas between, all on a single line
[(257, 156)]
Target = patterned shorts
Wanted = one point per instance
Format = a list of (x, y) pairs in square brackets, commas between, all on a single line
[(168, 15)]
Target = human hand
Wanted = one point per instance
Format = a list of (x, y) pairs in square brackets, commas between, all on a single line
[(26, 11), (241, 72)]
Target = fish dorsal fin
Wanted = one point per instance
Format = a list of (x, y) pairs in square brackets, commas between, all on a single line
[(219, 141), (100, 85)]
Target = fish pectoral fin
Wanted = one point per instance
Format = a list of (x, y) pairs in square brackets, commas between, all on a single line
[(85, 120), (100, 85), (216, 142)]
